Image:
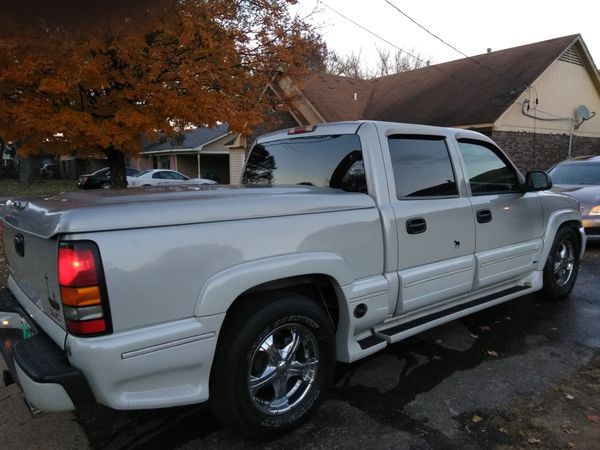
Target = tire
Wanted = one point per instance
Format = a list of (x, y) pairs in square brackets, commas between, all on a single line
[(260, 388), (562, 265), (105, 185)]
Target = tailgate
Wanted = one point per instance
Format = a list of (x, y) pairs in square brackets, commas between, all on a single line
[(32, 265)]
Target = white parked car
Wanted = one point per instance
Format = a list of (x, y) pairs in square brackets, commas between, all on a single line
[(157, 177)]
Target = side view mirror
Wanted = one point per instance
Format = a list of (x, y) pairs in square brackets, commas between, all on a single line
[(537, 180)]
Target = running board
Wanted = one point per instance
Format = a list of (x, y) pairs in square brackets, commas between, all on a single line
[(371, 341), (403, 330)]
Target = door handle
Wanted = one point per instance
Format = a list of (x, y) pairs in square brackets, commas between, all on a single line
[(484, 216), (416, 226)]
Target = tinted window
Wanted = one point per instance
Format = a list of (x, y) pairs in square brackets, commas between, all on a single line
[(487, 171), (324, 161), (422, 166), (158, 175), (178, 176), (576, 173), (102, 172)]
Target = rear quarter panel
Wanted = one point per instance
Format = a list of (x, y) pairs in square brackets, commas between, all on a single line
[(155, 275)]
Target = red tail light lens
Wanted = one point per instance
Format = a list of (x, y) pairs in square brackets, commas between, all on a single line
[(76, 267), (87, 327), (83, 292)]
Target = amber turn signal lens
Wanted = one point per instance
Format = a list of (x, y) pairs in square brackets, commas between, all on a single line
[(82, 296)]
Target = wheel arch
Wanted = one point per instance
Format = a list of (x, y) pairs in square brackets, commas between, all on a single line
[(319, 276), (556, 220)]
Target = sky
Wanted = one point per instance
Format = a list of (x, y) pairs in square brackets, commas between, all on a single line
[(468, 25)]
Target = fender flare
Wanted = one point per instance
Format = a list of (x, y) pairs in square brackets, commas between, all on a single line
[(221, 290), (556, 219)]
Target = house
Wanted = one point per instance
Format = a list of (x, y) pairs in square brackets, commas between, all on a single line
[(536, 101), (202, 152)]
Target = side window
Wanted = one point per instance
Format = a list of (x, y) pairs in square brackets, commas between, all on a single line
[(178, 176), (488, 172), (157, 175), (422, 166)]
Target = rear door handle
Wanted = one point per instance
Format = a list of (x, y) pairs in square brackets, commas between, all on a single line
[(416, 226), (484, 216)]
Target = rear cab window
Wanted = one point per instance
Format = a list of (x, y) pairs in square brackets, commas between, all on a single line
[(333, 161)]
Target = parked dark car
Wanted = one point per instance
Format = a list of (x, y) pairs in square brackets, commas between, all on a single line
[(50, 170), (580, 178), (100, 178)]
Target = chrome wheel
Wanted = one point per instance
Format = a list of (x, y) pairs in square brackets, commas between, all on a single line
[(283, 369), (564, 262)]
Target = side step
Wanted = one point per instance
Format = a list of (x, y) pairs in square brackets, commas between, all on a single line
[(371, 341), (406, 329)]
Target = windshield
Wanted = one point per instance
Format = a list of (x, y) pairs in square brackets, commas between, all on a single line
[(576, 173)]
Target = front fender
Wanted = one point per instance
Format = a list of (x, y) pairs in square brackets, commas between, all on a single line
[(556, 219), (221, 290)]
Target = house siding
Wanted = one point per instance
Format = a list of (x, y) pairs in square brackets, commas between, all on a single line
[(531, 151), (559, 91), (237, 158)]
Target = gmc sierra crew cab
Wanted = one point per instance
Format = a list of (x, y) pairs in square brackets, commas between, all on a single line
[(342, 239)]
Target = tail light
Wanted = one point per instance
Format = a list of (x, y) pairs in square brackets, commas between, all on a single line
[(82, 288)]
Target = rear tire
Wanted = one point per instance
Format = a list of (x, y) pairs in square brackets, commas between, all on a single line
[(562, 265), (273, 365)]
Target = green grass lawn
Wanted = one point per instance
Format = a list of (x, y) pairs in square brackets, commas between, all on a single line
[(11, 188)]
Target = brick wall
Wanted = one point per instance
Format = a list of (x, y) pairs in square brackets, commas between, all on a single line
[(532, 151)]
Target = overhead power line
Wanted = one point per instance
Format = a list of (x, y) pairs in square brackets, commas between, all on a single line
[(392, 44), (473, 60), (372, 32)]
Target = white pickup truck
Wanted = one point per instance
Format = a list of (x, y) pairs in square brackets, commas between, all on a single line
[(343, 239)]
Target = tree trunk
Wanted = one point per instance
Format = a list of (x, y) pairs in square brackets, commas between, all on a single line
[(116, 162), (25, 171)]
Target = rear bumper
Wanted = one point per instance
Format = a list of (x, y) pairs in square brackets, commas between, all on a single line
[(38, 365)]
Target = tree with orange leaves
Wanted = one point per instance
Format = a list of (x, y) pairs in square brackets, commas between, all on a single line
[(102, 77)]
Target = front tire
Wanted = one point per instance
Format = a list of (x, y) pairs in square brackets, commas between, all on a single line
[(273, 365), (562, 266)]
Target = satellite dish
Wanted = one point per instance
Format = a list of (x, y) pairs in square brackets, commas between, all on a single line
[(583, 113)]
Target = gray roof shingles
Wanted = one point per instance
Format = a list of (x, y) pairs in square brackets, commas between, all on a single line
[(460, 92), (191, 139)]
